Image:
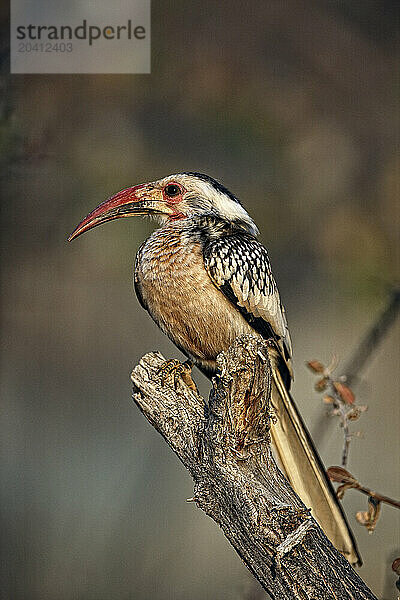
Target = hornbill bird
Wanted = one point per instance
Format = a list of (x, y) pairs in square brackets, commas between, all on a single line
[(205, 279)]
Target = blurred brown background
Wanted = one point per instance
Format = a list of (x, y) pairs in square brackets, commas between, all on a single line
[(293, 105)]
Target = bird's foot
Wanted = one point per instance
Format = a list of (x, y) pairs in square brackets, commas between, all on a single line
[(173, 370)]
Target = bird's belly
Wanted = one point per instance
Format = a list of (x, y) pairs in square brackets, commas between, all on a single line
[(186, 305)]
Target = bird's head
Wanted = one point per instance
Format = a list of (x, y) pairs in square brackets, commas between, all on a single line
[(173, 198)]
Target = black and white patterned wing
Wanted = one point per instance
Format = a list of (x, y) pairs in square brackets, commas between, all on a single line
[(239, 266)]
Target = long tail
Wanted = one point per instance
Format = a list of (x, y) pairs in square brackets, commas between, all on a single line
[(305, 471)]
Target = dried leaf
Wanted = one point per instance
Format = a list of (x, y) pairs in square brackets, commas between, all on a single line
[(321, 384), (340, 475), (362, 517), (354, 414), (344, 392), (316, 366), (342, 488), (346, 479), (328, 400), (370, 517), (396, 566)]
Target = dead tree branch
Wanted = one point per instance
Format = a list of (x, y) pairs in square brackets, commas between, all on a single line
[(225, 447)]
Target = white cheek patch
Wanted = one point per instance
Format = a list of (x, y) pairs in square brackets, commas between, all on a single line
[(218, 201), (232, 210)]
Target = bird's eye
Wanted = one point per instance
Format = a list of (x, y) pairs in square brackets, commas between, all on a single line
[(172, 190)]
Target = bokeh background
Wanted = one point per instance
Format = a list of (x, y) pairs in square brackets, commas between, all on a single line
[(293, 105)]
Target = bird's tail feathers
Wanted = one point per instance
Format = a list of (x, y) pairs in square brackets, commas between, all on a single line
[(305, 471)]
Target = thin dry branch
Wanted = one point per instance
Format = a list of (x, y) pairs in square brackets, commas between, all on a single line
[(343, 412), (225, 447), (347, 481), (342, 399), (372, 338), (364, 351)]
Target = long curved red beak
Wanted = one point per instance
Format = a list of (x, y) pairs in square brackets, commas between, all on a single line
[(124, 204)]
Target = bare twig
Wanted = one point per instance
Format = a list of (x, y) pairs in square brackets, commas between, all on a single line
[(372, 338), (342, 409), (342, 400), (362, 353), (225, 447)]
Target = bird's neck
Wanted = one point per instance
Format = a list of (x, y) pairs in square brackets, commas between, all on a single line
[(207, 227)]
